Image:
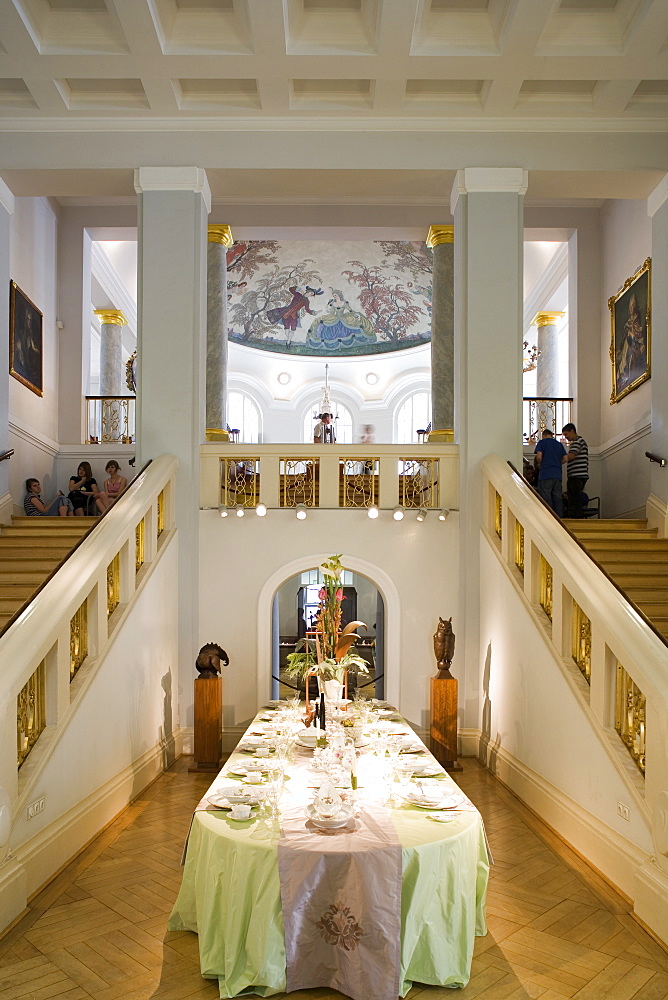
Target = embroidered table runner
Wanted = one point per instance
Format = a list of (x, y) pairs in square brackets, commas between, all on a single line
[(341, 901)]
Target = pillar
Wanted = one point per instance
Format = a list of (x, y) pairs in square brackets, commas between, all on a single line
[(112, 382), (6, 212), (547, 365), (657, 505), (441, 240), (219, 239), (171, 346), (487, 206)]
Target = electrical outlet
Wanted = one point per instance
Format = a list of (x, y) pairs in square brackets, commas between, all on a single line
[(35, 808), (623, 811)]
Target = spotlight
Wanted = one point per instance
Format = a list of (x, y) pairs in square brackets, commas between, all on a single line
[(373, 511), (398, 513), (301, 512), (261, 510), (222, 510), (421, 514), (240, 511), (442, 514)]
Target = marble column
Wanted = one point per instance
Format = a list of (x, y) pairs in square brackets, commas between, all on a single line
[(219, 239), (112, 382), (173, 205), (547, 363), (6, 212), (487, 206), (441, 239)]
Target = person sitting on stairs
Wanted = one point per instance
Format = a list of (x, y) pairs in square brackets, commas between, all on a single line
[(34, 506)]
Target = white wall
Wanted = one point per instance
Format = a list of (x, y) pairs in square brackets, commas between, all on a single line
[(239, 555), (33, 419), (625, 472)]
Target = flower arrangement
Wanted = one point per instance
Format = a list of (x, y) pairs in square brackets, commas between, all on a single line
[(328, 654)]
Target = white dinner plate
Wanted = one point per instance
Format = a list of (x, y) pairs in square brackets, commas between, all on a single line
[(240, 795), (335, 823)]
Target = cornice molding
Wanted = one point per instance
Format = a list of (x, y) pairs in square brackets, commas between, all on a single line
[(658, 196), (327, 126), (173, 179), (108, 278), (553, 276), (6, 198)]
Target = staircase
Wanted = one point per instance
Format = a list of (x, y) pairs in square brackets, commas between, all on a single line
[(30, 549), (635, 558)]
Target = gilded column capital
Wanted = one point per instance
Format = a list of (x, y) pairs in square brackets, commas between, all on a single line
[(221, 234), (113, 316), (440, 234), (546, 318)]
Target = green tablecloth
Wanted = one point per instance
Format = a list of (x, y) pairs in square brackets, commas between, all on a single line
[(230, 896)]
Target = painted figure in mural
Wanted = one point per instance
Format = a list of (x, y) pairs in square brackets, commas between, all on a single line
[(341, 326), (631, 358), (290, 315)]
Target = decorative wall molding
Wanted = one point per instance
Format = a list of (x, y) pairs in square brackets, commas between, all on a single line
[(621, 441), (34, 438), (6, 198), (552, 277), (658, 196), (105, 273)]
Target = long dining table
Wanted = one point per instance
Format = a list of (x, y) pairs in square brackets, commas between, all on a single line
[(399, 892)]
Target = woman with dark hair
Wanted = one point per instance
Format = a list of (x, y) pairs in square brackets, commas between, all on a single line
[(34, 506), (113, 487), (82, 488)]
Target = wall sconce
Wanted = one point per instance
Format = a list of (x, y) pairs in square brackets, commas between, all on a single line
[(240, 511), (372, 512), (222, 510), (421, 514), (398, 513), (261, 509), (442, 514), (300, 511)]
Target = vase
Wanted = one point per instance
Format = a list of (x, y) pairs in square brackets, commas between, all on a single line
[(333, 690)]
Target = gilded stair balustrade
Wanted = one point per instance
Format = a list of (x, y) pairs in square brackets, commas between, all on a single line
[(519, 546), (418, 482), (359, 482), (240, 479), (78, 638), (160, 519), (498, 514), (630, 708), (139, 545), (581, 645), (30, 713), (546, 586), (299, 480), (113, 584)]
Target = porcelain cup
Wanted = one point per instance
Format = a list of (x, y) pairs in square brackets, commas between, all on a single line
[(240, 811)]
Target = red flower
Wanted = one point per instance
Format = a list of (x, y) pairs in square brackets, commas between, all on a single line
[(339, 594), (322, 594)]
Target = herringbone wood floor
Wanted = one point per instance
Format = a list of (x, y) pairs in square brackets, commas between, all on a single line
[(556, 930)]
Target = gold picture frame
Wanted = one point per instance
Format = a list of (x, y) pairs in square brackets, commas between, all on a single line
[(630, 341), (25, 340)]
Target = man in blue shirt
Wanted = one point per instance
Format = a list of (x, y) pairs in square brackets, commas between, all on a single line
[(550, 453)]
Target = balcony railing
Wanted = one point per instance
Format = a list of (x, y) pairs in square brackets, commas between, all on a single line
[(544, 413), (110, 420)]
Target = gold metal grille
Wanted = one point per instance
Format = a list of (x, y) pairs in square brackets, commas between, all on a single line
[(300, 479), (498, 514), (161, 513), (30, 713), (546, 587), (111, 419), (359, 482), (78, 638), (418, 482), (240, 482), (630, 716), (139, 545), (582, 641), (113, 584), (519, 547)]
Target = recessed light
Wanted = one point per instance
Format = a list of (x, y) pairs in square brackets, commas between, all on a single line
[(371, 378), (284, 377)]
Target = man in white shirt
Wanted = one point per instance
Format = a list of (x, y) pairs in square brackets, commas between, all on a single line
[(323, 432)]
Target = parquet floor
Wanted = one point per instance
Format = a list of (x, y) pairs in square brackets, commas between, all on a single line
[(556, 930)]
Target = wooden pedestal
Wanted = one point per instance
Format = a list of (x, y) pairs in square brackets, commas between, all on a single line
[(208, 737), (444, 722)]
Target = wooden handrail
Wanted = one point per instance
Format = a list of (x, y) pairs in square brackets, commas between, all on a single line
[(6, 454)]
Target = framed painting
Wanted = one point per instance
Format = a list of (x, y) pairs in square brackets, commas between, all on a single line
[(25, 340), (630, 343)]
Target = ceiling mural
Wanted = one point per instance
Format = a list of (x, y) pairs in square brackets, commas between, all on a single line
[(333, 299)]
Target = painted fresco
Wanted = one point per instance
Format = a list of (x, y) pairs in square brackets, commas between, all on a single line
[(329, 299)]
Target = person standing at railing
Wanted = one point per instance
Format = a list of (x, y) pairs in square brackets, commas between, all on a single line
[(577, 469), (549, 456), (323, 432), (34, 506)]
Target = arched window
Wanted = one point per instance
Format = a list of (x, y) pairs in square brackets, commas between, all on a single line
[(412, 415), (343, 422), (243, 414)]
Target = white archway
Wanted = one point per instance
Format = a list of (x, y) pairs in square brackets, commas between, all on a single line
[(378, 577)]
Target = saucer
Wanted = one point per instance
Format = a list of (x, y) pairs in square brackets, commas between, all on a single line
[(332, 823)]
